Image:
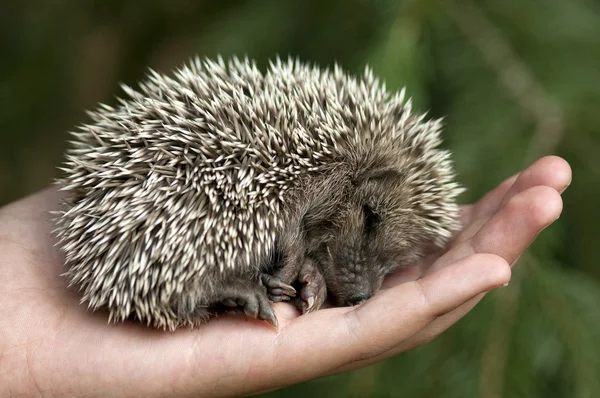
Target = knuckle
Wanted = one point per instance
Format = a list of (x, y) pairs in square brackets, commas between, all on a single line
[(497, 270)]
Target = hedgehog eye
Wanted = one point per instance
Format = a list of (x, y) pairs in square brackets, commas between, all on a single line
[(371, 219)]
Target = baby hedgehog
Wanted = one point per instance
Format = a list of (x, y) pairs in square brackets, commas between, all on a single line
[(222, 188)]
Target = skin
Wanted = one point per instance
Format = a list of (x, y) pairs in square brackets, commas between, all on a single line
[(50, 346)]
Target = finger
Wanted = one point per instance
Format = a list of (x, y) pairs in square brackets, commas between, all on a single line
[(403, 275), (507, 234), (33, 208), (394, 315), (488, 203), (512, 228), (439, 326), (388, 320), (551, 171)]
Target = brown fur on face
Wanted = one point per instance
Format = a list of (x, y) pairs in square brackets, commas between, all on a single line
[(360, 227)]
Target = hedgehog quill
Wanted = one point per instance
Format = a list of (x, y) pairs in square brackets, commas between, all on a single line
[(222, 188)]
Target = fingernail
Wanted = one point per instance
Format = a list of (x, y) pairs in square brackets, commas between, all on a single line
[(506, 284), (565, 188)]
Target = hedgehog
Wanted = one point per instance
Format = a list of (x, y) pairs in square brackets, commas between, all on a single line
[(221, 188)]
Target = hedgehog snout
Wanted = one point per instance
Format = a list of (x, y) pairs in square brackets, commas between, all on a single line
[(351, 280), (356, 292), (358, 298)]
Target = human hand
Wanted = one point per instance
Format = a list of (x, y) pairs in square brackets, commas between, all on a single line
[(50, 345)]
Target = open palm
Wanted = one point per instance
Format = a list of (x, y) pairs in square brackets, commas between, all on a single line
[(50, 345)]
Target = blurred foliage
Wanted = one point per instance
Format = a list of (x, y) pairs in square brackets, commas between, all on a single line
[(515, 80)]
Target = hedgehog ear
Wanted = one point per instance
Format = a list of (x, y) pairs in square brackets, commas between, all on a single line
[(379, 173)]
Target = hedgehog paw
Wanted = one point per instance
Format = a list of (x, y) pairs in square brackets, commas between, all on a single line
[(313, 291), (246, 298), (277, 290)]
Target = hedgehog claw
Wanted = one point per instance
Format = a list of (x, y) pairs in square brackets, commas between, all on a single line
[(250, 300), (278, 298), (313, 292), (273, 322), (267, 314), (229, 302), (306, 302), (273, 283), (277, 290)]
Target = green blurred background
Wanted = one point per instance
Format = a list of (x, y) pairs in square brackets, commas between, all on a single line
[(515, 79)]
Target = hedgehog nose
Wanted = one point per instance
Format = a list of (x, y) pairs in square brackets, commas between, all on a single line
[(358, 298)]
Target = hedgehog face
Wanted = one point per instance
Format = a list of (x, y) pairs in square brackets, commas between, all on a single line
[(376, 233)]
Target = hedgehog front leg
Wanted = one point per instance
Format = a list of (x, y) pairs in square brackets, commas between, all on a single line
[(313, 291), (304, 272), (248, 297)]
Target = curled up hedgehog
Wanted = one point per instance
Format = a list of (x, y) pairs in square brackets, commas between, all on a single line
[(222, 188)]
